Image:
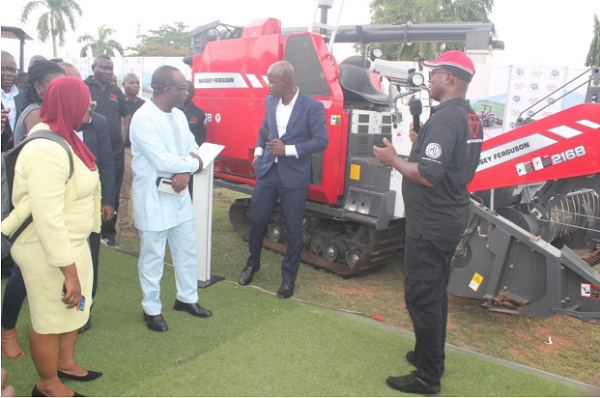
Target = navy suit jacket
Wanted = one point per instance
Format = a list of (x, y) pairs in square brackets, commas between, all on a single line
[(96, 138), (307, 130)]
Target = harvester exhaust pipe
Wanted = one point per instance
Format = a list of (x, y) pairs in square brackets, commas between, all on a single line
[(324, 6)]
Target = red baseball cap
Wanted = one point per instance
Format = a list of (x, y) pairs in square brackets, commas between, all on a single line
[(455, 62)]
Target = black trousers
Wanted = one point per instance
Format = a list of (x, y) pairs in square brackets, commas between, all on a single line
[(95, 250), (14, 295), (109, 227), (293, 203), (427, 271)]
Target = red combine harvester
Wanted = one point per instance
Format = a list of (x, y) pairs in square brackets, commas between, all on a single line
[(354, 219)]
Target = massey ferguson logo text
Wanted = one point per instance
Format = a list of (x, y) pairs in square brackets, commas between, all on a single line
[(216, 80), (219, 80), (512, 150)]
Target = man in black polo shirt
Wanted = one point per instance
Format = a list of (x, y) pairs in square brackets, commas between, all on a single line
[(112, 105), (442, 162), (131, 87), (195, 116)]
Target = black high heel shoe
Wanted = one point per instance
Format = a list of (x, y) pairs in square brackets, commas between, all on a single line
[(88, 377), (38, 393)]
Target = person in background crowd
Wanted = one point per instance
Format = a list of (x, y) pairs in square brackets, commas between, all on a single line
[(53, 252), (96, 138), (195, 116), (196, 121), (164, 147), (12, 104), (21, 79), (283, 169), (12, 99), (112, 105), (131, 86), (36, 58), (40, 75), (442, 162)]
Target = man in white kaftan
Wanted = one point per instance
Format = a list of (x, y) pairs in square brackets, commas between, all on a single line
[(163, 147)]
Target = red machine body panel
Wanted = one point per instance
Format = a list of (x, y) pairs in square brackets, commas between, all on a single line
[(231, 87), (564, 145)]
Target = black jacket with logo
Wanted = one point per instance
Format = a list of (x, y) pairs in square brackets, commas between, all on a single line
[(447, 150)]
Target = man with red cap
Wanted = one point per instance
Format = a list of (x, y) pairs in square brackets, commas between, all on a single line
[(442, 162)]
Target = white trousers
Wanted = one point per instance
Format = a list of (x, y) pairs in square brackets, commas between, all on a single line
[(182, 241)]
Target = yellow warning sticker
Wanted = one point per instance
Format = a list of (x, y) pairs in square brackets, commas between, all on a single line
[(355, 172), (476, 282)]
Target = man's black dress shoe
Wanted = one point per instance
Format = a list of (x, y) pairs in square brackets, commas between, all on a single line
[(192, 308), (156, 322), (286, 290), (247, 274), (85, 327), (37, 393), (88, 377), (413, 384)]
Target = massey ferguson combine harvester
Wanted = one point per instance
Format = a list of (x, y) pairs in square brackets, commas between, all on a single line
[(354, 218)]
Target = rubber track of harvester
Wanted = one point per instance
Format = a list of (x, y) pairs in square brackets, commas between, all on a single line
[(379, 251)]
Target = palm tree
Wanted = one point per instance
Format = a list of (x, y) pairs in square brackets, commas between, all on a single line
[(101, 45), (593, 57), (54, 21), (400, 12)]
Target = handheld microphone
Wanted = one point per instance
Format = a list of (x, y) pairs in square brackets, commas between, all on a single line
[(263, 132), (416, 107)]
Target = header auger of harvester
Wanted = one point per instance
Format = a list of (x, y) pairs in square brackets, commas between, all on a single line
[(536, 256)]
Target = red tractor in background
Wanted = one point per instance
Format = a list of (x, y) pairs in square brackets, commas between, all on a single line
[(486, 117)]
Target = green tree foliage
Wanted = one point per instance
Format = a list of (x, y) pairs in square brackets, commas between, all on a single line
[(100, 45), (53, 22), (167, 41), (593, 57), (400, 12)]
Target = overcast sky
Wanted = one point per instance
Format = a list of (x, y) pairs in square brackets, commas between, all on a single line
[(548, 33)]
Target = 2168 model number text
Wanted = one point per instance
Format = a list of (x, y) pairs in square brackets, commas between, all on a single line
[(568, 155)]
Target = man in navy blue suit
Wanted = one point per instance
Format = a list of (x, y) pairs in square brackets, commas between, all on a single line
[(294, 128)]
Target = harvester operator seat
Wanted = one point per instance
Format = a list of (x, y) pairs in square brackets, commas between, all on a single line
[(357, 86)]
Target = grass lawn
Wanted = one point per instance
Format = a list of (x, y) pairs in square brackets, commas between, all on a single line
[(258, 345), (254, 345)]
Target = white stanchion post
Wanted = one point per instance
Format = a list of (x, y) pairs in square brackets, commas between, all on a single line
[(202, 202)]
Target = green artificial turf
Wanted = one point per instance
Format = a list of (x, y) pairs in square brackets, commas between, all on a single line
[(254, 345)]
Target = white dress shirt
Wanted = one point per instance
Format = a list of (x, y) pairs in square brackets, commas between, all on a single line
[(282, 116), (160, 144)]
